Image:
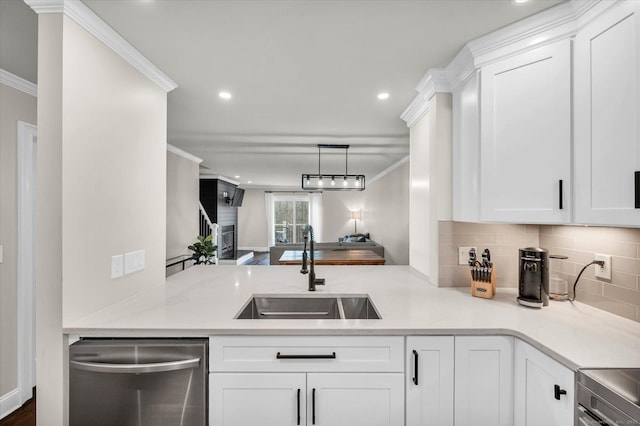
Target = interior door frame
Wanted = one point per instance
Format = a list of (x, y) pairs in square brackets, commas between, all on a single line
[(26, 193)]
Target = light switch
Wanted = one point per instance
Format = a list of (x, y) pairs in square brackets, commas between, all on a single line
[(116, 266), (1, 254), (133, 261)]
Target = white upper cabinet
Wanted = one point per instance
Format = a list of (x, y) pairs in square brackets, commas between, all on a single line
[(607, 116), (525, 137)]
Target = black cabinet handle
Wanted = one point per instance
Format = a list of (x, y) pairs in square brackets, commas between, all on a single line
[(560, 206), (557, 391), (329, 356), (313, 406), (415, 368), (298, 406), (637, 190)]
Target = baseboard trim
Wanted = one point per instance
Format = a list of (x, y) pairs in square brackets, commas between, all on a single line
[(9, 402), (254, 248)]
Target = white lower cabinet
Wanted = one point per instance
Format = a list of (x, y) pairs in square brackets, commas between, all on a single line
[(484, 380), (356, 399), (240, 399), (544, 389), (336, 399), (378, 381), (429, 380), (296, 380), (461, 381)]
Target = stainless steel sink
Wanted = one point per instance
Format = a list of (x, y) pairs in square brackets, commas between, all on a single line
[(309, 307)]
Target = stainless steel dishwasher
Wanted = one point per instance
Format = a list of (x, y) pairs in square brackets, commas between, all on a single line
[(138, 382)]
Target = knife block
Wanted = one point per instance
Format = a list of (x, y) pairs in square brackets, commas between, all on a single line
[(486, 289)]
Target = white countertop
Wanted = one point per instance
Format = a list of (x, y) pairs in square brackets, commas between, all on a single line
[(204, 300)]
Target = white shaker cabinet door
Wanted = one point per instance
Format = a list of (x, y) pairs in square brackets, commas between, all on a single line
[(525, 137), (544, 389), (484, 381), (429, 380), (355, 399), (607, 118), (240, 399)]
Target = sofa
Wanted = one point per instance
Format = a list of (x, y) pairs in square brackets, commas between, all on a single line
[(344, 243)]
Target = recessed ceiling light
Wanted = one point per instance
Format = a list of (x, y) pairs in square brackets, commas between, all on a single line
[(237, 177), (249, 181), (383, 95), (519, 1), (225, 95)]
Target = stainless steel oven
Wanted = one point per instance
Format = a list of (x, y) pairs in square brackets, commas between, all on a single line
[(608, 397), (138, 382)]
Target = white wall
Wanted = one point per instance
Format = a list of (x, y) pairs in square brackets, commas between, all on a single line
[(430, 176), (106, 123), (14, 106), (386, 214), (252, 221), (336, 214), (183, 194)]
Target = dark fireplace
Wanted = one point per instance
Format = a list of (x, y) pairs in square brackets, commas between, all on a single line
[(227, 242)]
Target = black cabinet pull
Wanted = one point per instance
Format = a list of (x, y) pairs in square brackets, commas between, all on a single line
[(560, 206), (637, 190), (313, 406), (415, 368), (557, 391), (329, 356), (298, 406)]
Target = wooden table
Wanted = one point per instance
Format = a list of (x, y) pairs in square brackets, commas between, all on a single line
[(333, 257)]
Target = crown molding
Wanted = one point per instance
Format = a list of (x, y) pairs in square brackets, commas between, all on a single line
[(91, 22), (18, 83), (224, 178), (434, 81), (389, 169), (184, 154), (550, 25)]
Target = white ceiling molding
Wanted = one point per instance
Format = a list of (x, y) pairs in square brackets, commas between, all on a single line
[(224, 178), (184, 154), (18, 83), (88, 20), (434, 81), (388, 170), (548, 26)]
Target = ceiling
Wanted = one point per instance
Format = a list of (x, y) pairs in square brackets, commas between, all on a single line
[(301, 73)]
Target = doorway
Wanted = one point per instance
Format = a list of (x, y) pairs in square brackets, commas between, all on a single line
[(27, 144)]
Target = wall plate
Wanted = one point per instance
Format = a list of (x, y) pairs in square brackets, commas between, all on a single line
[(603, 272), (463, 255)]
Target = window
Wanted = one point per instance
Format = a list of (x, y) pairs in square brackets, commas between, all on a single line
[(287, 213), (289, 218)]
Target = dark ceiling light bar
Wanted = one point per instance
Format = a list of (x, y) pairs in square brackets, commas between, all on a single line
[(333, 181)]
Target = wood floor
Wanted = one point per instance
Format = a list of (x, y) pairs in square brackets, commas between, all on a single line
[(25, 416), (259, 258)]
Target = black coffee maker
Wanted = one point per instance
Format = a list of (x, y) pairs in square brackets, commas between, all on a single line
[(534, 277)]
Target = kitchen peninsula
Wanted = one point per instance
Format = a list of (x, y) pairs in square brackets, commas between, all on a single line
[(205, 299), (424, 332)]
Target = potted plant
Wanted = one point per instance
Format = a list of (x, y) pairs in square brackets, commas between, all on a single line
[(204, 251)]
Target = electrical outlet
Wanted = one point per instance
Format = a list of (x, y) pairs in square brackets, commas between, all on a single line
[(603, 272), (117, 266), (463, 255)]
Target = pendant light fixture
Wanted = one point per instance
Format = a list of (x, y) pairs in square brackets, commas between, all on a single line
[(333, 181)]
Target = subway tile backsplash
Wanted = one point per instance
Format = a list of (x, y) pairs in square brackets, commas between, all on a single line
[(620, 296)]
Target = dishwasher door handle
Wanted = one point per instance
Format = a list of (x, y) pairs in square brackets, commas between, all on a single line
[(154, 367)]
